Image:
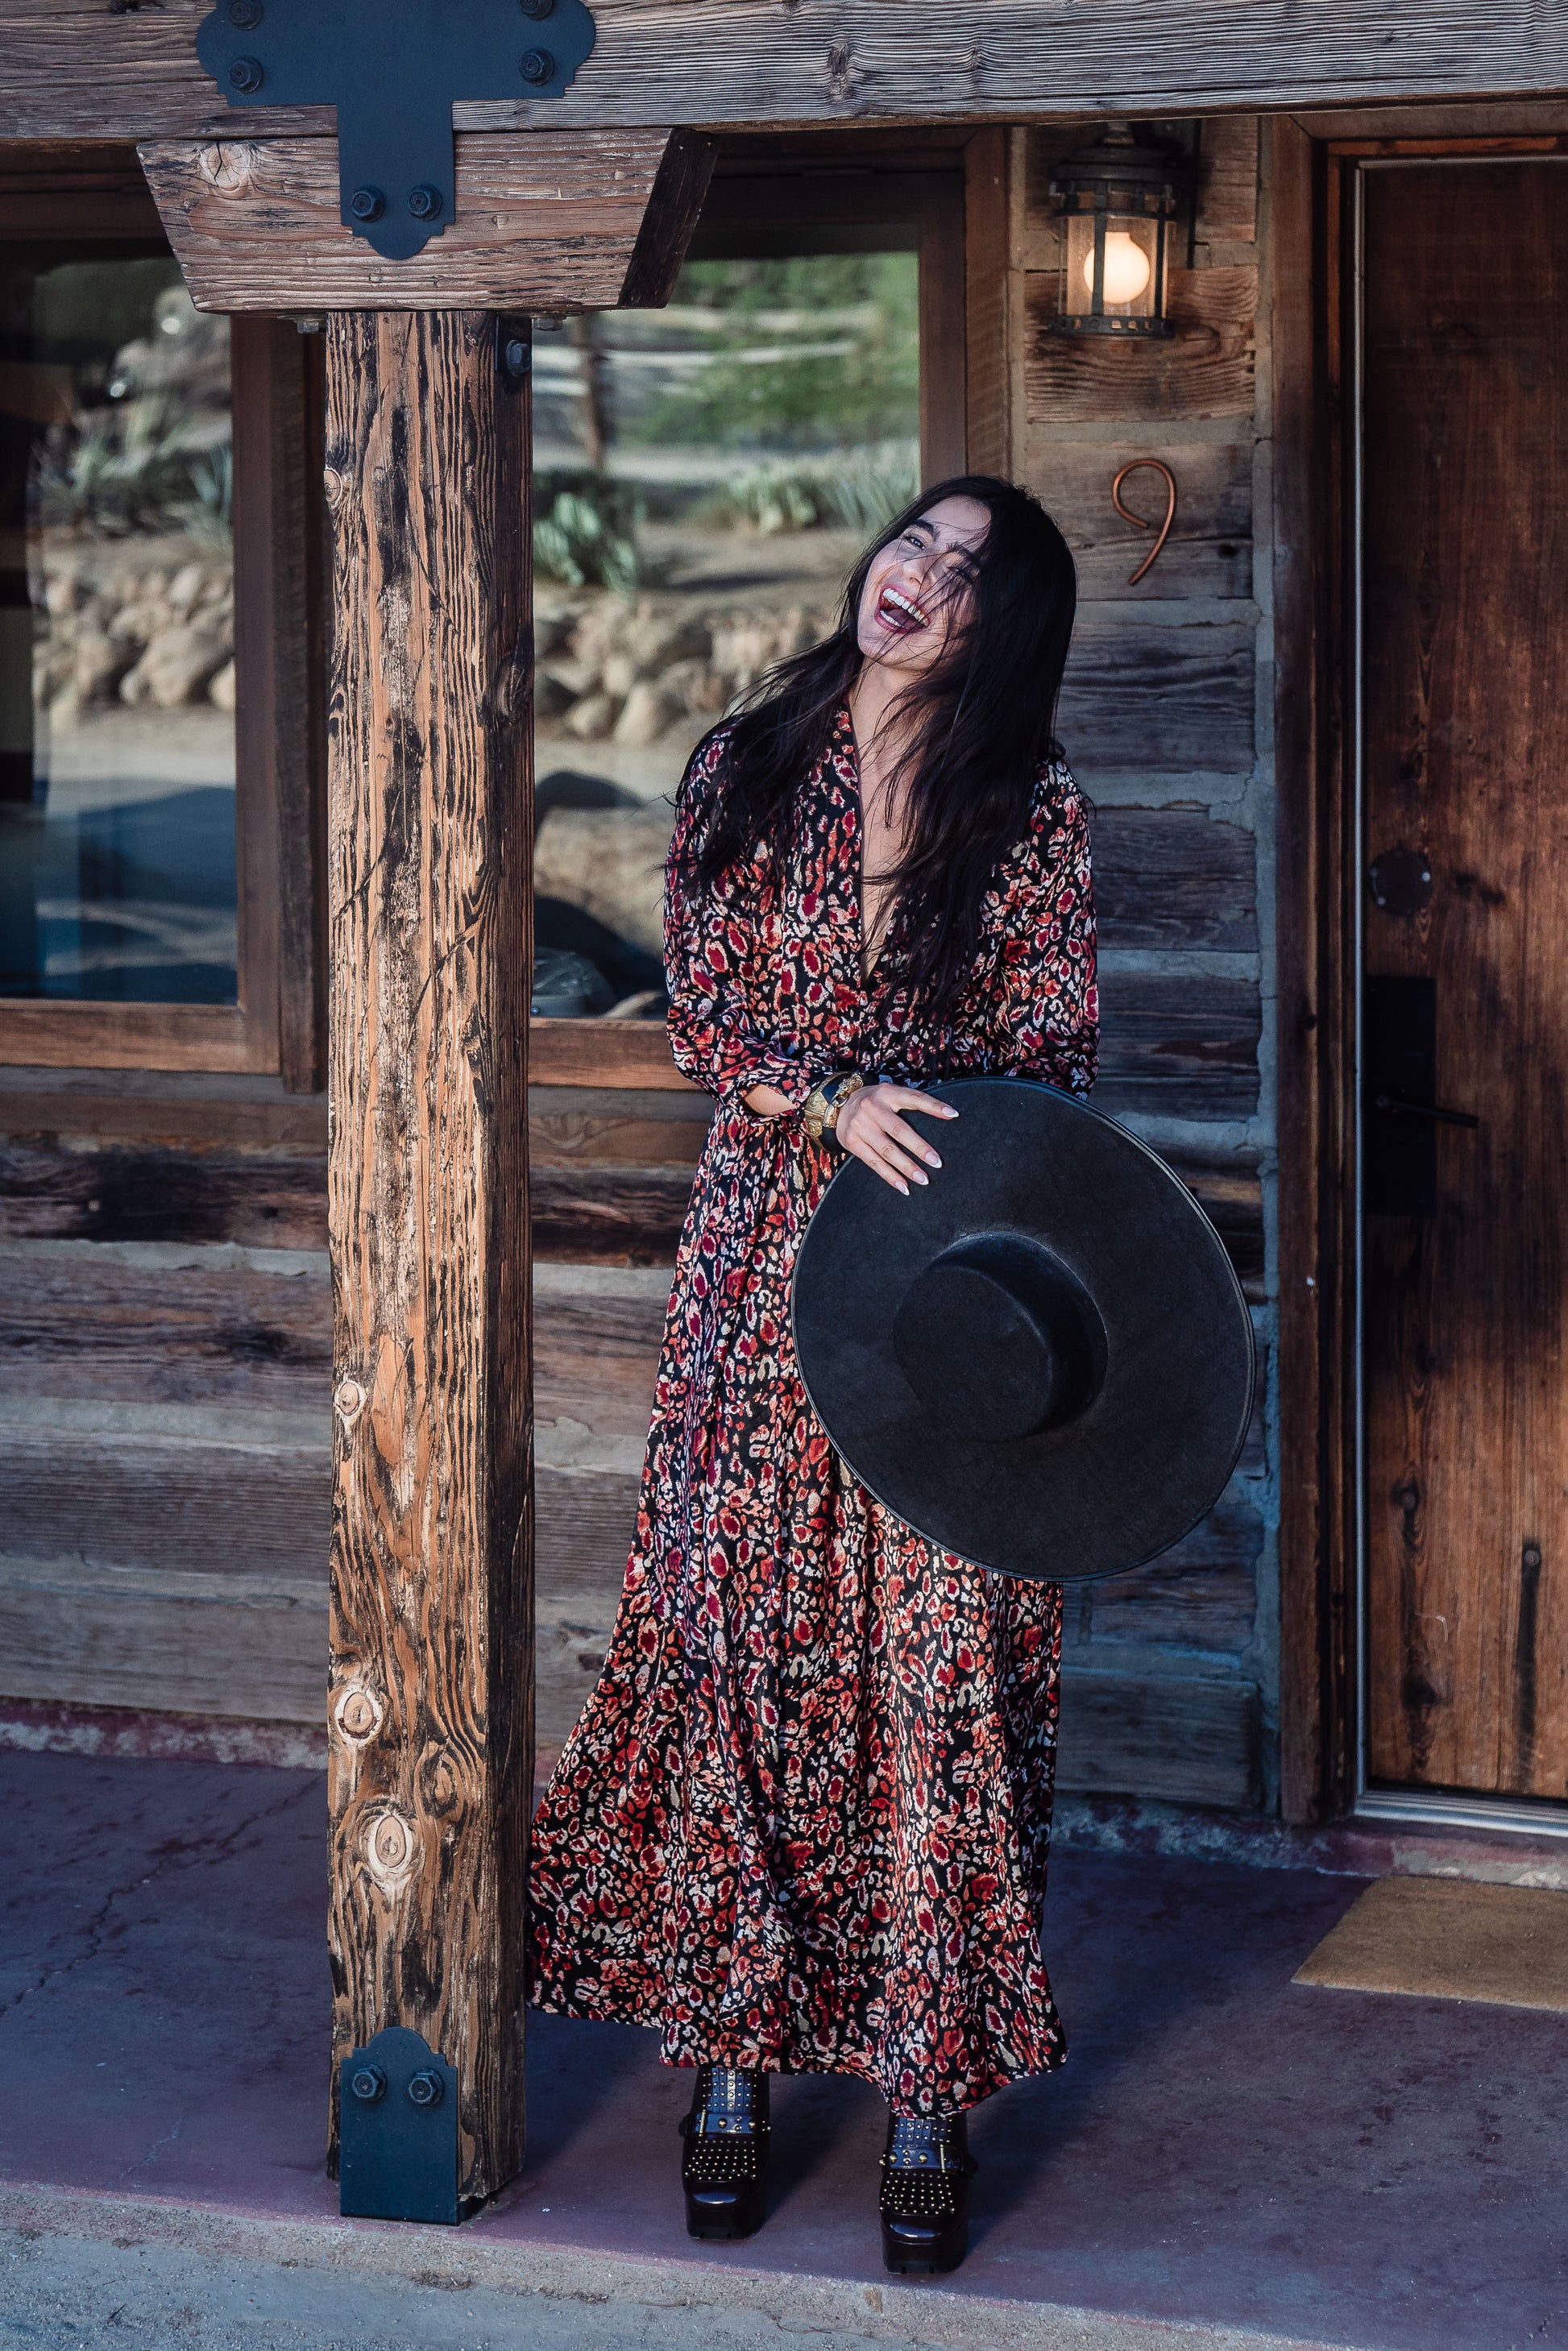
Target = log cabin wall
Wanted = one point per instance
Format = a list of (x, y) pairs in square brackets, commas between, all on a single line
[(165, 1320)]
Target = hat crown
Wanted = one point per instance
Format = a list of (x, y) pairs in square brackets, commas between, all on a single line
[(998, 1339)]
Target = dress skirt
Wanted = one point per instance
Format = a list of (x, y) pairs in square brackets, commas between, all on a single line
[(803, 1823)]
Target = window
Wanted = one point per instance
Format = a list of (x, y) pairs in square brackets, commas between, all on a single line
[(155, 642), (704, 478)]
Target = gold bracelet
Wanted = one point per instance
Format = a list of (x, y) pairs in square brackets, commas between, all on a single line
[(820, 1111)]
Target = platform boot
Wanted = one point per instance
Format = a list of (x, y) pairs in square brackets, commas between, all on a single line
[(724, 2166), (925, 2176)]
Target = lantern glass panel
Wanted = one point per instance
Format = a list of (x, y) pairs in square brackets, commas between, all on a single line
[(1130, 269)]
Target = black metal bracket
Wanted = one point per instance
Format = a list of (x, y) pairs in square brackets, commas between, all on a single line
[(393, 69), (397, 2131)]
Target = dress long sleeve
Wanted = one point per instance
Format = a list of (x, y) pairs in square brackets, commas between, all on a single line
[(711, 957), (1047, 1009)]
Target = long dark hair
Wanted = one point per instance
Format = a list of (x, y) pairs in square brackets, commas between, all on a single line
[(980, 723)]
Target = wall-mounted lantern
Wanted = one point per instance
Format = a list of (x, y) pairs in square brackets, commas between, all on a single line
[(1116, 200)]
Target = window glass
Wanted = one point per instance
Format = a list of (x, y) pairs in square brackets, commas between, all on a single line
[(117, 682), (705, 476)]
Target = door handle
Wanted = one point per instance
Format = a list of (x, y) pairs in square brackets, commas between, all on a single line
[(1397, 1107)]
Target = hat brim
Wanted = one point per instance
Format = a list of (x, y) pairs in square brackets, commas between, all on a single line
[(1150, 1454)]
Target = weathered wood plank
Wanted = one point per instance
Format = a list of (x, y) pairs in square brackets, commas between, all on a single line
[(70, 68), (1228, 180), (609, 1216), (1183, 1049), (1148, 695), (1187, 1741), (159, 1105), (247, 1649), (603, 1053), (264, 1199), (1229, 1190), (1174, 878), (1209, 550), (544, 220), (596, 1126), (1200, 1595), (430, 1766), (115, 1500), (164, 1326), (1205, 369), (595, 1358)]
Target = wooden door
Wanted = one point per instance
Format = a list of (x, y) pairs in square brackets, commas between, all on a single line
[(1465, 998)]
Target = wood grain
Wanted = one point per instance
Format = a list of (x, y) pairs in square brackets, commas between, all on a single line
[(1209, 550), (544, 221), (70, 69), (183, 1645), (1466, 415), (427, 456), (1206, 368), (1174, 878), (159, 1105), (164, 1326), (1152, 694), (263, 1199), (1200, 1595), (1178, 1048), (1187, 1740)]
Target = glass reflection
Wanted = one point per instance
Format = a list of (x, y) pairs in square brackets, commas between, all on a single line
[(706, 475), (117, 679)]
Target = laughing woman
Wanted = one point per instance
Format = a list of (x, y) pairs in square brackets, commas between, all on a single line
[(801, 1825)]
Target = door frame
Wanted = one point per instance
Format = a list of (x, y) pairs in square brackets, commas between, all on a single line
[(1315, 184)]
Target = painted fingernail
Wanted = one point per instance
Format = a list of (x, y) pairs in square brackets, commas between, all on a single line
[(919, 1175), (903, 1188), (931, 1160)]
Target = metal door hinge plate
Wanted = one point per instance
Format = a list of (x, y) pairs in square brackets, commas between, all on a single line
[(397, 2131), (393, 69)]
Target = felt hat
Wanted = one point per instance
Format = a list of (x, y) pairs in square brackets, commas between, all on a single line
[(1042, 1360)]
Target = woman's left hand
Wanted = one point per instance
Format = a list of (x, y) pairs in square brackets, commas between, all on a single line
[(868, 1126)]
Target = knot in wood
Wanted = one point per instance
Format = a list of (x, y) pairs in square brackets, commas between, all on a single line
[(227, 166), (332, 487), (349, 1400), (389, 1848), (359, 1713)]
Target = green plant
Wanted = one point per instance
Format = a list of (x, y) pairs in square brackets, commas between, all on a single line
[(585, 533), (859, 490)]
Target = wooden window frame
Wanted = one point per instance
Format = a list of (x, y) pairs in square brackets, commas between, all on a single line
[(949, 192), (276, 1028), (1318, 876)]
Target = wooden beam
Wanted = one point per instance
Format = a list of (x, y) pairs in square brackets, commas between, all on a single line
[(546, 221), (430, 816), (78, 68)]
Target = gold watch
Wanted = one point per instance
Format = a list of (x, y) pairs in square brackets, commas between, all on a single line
[(820, 1111)]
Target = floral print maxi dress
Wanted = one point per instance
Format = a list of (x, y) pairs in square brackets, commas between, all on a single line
[(802, 1821)]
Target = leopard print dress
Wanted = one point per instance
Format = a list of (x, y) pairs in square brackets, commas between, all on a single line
[(803, 1819)]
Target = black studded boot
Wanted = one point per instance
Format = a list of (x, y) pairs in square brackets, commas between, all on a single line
[(926, 2177), (724, 2167)]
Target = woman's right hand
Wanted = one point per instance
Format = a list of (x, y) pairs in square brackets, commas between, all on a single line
[(869, 1125)]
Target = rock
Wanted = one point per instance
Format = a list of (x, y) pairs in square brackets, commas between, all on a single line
[(221, 688), (63, 594), (654, 641), (579, 677), (552, 696), (593, 717), (175, 667), (100, 664), (647, 711), (619, 674), (697, 688), (139, 622), (610, 861), (185, 588)]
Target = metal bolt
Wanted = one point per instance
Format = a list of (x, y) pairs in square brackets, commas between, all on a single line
[(246, 14), (537, 66), (425, 202), (368, 2083), (536, 7), (367, 203), (245, 74), (1532, 1560), (426, 2089)]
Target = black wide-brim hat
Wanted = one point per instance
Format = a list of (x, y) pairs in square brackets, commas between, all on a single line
[(1042, 1360)]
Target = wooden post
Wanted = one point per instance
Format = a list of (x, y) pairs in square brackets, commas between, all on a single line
[(431, 800)]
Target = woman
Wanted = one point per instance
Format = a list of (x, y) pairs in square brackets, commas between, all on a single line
[(803, 1823)]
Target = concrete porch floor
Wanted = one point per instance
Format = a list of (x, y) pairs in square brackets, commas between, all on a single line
[(1225, 2152)]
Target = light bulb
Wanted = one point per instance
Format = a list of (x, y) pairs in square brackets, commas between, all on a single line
[(1127, 267)]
